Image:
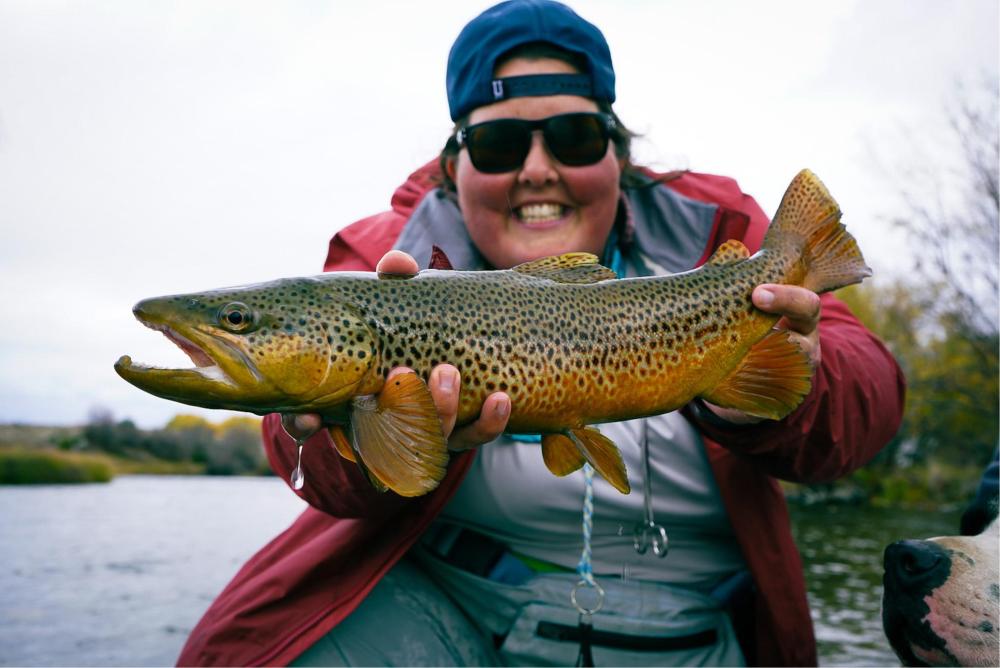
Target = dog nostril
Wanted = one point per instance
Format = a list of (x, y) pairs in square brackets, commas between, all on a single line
[(914, 558), (919, 562)]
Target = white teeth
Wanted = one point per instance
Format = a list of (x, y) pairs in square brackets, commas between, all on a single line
[(536, 213)]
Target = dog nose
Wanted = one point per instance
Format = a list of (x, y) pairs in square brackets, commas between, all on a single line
[(915, 561)]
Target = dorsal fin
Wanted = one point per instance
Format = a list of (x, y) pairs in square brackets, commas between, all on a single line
[(728, 253), (567, 268)]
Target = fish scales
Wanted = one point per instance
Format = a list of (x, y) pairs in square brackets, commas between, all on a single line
[(570, 344)]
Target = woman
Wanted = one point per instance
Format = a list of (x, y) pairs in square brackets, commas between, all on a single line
[(481, 570)]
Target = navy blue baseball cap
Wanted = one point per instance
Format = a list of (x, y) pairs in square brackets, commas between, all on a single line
[(503, 27)]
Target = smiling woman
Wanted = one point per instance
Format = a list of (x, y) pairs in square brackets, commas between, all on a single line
[(537, 165)]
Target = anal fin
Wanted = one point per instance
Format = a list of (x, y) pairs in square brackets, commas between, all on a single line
[(398, 438), (603, 455), (561, 455), (769, 382)]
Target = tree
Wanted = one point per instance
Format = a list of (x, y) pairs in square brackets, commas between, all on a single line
[(191, 437), (946, 335), (237, 448)]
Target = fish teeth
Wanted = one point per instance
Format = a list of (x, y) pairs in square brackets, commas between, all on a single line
[(535, 213)]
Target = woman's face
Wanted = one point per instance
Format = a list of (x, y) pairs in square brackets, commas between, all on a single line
[(544, 207)]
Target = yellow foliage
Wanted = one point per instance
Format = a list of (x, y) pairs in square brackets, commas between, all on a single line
[(185, 421), (238, 422)]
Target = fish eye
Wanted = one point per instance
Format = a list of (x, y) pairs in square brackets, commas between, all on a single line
[(236, 317)]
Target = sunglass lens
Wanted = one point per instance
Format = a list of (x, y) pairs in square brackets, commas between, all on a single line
[(499, 146), (577, 139)]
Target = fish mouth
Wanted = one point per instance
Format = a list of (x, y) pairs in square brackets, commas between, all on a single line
[(223, 376)]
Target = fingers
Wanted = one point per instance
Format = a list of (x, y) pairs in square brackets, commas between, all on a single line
[(800, 310), (490, 424), (799, 306), (397, 263), (444, 384), (301, 426)]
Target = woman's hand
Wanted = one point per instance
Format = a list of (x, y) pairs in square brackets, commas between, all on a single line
[(444, 384), (799, 309)]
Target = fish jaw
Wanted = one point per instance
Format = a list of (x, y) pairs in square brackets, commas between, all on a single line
[(224, 375)]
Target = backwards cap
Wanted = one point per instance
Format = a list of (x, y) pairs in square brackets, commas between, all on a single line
[(503, 27)]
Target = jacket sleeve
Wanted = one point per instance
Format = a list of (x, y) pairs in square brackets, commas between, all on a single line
[(854, 408)]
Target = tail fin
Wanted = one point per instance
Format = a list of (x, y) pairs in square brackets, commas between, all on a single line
[(808, 214)]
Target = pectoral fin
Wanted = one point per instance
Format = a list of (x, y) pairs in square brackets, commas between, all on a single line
[(341, 443), (770, 382), (561, 455), (602, 454), (398, 438)]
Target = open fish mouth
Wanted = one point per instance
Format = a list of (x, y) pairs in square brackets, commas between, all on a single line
[(205, 366), (222, 376)]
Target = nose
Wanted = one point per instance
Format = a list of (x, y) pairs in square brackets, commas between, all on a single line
[(539, 165), (916, 563)]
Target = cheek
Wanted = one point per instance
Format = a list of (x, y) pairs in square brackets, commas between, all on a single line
[(480, 193), (596, 185), (484, 201)]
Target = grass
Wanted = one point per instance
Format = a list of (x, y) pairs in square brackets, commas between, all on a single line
[(24, 466), (29, 465)]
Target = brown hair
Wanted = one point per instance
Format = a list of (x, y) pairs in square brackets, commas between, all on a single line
[(620, 135)]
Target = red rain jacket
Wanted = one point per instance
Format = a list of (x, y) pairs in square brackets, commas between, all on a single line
[(313, 575)]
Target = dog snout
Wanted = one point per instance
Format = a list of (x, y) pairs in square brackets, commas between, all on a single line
[(916, 562)]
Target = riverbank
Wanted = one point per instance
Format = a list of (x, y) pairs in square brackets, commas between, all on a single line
[(25, 465), (927, 486), (103, 449)]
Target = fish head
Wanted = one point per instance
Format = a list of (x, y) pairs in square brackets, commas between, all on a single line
[(283, 346)]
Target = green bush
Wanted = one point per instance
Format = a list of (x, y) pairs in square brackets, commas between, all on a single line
[(25, 467)]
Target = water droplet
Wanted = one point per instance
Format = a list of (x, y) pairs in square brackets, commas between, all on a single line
[(298, 476)]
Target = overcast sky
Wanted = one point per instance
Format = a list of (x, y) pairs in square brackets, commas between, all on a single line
[(160, 147)]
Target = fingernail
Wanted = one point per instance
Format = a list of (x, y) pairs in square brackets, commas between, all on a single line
[(446, 381), (765, 297), (502, 408)]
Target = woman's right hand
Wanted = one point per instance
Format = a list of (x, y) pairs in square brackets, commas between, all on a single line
[(444, 384)]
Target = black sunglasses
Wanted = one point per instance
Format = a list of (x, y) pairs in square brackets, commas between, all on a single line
[(502, 145)]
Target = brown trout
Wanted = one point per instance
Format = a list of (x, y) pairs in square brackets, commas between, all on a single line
[(570, 343)]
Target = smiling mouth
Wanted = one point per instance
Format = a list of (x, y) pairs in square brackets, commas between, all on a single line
[(540, 214)]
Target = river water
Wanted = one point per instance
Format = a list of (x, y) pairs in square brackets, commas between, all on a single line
[(118, 574)]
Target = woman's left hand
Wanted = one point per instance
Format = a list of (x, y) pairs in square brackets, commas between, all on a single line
[(799, 309)]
